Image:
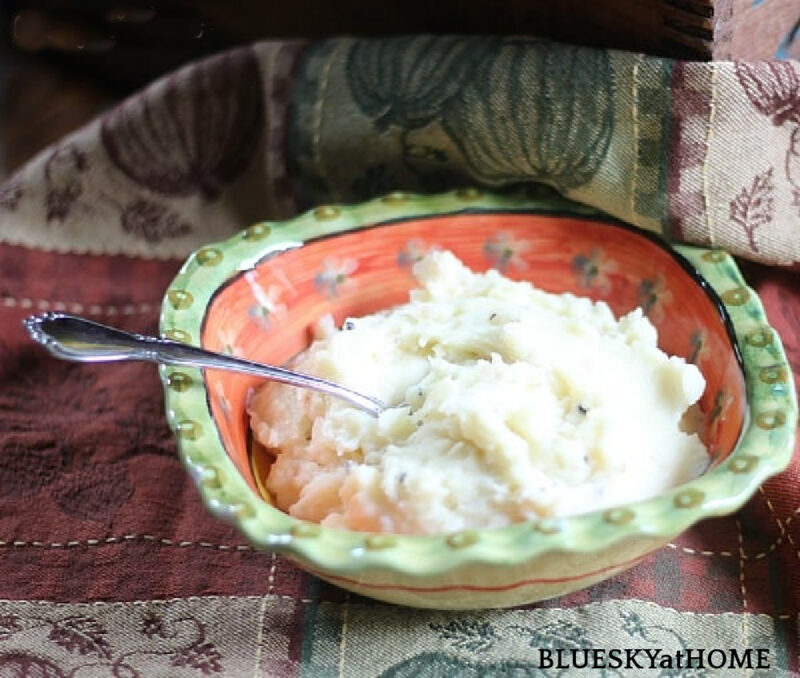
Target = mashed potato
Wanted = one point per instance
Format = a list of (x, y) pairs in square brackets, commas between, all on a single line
[(508, 404)]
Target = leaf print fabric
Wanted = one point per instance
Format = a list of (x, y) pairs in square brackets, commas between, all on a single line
[(156, 639), (753, 207)]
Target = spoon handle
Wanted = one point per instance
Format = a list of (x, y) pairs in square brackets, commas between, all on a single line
[(72, 338)]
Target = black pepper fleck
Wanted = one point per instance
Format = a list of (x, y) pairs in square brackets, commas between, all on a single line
[(349, 325), (583, 410)]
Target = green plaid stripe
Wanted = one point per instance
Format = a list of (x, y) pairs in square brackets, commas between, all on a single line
[(652, 100)]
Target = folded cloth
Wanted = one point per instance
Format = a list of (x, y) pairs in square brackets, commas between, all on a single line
[(707, 153), (107, 557)]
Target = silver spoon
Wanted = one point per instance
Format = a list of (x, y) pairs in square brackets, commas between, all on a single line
[(72, 338)]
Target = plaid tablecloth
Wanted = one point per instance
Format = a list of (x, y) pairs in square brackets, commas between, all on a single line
[(110, 565)]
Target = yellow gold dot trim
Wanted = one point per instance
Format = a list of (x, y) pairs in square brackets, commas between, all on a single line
[(179, 381), (771, 420), (305, 531), (327, 213), (211, 477), (376, 542), (178, 335), (243, 509), (395, 198), (688, 498), (743, 464), (760, 338), (736, 297), (209, 256), (715, 257), (189, 429), (257, 232), (469, 194), (618, 516), (461, 540), (773, 375), (180, 299), (547, 526)]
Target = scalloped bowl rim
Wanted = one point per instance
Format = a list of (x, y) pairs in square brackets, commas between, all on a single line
[(329, 550)]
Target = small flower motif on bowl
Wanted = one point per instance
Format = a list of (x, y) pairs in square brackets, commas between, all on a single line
[(593, 269), (334, 274), (227, 342), (699, 351), (414, 250), (502, 251), (268, 307), (222, 400), (719, 412), (653, 296)]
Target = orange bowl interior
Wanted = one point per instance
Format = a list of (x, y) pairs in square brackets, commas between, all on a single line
[(266, 314)]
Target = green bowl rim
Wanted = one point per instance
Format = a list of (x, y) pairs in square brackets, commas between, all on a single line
[(764, 449)]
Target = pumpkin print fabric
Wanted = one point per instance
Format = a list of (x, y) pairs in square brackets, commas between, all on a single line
[(654, 142)]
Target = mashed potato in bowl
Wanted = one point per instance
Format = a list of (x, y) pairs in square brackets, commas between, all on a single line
[(508, 404)]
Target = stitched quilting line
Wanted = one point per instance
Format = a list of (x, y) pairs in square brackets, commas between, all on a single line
[(712, 114), (343, 642), (126, 538), (262, 618), (794, 515), (728, 554), (268, 74), (635, 124), (742, 583), (785, 534), (319, 113), (262, 612), (75, 543), (271, 576), (75, 307), (699, 552), (160, 601), (792, 542), (284, 596)]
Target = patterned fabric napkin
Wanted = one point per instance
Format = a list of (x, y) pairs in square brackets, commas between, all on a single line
[(108, 560)]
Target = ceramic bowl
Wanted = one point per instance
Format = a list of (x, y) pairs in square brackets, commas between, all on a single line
[(257, 294)]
